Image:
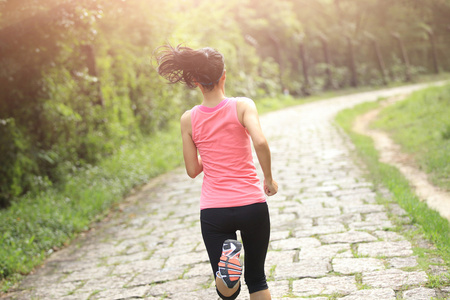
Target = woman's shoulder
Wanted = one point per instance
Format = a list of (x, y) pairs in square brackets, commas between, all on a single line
[(244, 101), (243, 105), (186, 116), (185, 121)]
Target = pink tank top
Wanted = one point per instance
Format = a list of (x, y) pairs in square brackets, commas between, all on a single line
[(230, 177)]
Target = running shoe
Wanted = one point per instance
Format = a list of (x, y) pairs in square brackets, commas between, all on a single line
[(230, 268)]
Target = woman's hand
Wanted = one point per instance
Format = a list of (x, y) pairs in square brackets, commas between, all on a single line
[(270, 187)]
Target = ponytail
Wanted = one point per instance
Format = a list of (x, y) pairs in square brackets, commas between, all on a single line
[(188, 66)]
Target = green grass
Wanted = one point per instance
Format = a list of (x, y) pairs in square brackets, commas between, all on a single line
[(421, 125), (435, 228), (34, 225)]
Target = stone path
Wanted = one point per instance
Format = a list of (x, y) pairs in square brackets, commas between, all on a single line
[(330, 239)]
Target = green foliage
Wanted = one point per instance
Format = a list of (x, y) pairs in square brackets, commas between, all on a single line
[(16, 166), (421, 125)]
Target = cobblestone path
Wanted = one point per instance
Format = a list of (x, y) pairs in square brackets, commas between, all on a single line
[(330, 238)]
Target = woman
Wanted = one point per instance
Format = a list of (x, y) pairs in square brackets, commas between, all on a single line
[(232, 197)]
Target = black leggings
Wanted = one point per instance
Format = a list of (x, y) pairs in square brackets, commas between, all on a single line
[(220, 224)]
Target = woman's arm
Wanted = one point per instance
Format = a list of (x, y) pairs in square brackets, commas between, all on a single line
[(248, 116), (192, 161)]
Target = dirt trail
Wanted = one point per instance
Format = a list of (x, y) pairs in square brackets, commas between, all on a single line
[(391, 154)]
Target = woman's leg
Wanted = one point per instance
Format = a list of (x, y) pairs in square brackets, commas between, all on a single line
[(217, 227), (255, 231)]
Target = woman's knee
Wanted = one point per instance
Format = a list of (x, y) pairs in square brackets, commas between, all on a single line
[(258, 286)]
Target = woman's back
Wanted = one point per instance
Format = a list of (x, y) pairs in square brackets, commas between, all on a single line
[(224, 146)]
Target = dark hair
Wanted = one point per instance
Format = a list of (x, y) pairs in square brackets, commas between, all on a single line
[(183, 64)]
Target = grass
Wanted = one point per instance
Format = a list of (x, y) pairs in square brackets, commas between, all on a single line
[(421, 125), (435, 228), (437, 281)]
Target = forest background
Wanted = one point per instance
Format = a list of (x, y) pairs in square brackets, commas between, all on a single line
[(78, 84)]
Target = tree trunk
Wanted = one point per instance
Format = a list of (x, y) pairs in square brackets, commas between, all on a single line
[(306, 86), (92, 71), (433, 51), (351, 62), (380, 61), (279, 59), (404, 55), (326, 55)]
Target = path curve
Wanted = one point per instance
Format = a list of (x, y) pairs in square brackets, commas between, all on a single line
[(328, 233), (391, 153)]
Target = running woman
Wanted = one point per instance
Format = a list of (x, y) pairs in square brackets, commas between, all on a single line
[(216, 141)]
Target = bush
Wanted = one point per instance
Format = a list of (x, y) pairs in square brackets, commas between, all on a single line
[(17, 165)]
